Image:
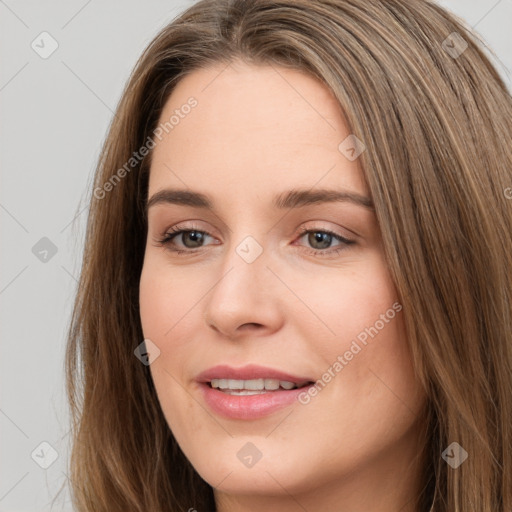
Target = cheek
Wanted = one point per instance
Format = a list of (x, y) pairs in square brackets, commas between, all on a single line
[(165, 301), (362, 353), (359, 304)]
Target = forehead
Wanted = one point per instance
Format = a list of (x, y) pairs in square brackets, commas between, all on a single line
[(253, 127)]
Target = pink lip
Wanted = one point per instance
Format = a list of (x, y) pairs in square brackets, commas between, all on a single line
[(248, 407), (251, 371)]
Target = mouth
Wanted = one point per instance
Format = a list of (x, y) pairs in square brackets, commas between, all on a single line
[(255, 386), (250, 392)]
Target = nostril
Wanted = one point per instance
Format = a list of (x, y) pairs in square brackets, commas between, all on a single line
[(250, 325)]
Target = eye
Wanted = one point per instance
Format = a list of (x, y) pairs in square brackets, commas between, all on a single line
[(190, 238), (321, 239), (193, 239)]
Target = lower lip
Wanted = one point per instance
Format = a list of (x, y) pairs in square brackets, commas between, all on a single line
[(249, 407)]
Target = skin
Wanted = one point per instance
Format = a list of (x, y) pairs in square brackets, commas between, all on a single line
[(258, 131)]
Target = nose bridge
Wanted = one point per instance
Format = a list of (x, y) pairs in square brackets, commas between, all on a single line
[(243, 292), (243, 270)]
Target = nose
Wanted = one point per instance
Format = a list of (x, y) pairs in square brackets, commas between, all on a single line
[(245, 299)]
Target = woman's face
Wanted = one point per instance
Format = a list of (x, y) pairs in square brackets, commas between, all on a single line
[(280, 266)]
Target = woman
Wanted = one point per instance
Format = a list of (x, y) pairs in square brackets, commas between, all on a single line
[(296, 291)]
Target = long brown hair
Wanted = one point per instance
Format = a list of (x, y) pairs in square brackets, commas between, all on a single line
[(436, 123)]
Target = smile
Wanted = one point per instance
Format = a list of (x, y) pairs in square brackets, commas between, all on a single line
[(250, 392), (251, 387)]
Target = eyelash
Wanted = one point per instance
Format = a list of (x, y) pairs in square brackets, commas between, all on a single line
[(176, 231)]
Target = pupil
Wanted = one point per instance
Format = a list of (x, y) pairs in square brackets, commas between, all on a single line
[(320, 237), (194, 234)]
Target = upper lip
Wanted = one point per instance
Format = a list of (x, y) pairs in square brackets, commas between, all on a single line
[(250, 372)]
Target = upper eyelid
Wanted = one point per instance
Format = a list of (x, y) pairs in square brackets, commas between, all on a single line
[(196, 227)]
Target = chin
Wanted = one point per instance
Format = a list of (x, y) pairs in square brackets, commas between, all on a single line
[(270, 475)]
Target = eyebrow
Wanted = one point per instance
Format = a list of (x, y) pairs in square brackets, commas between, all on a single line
[(291, 199)]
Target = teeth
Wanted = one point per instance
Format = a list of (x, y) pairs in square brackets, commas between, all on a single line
[(251, 385), (244, 392), (272, 384), (235, 384)]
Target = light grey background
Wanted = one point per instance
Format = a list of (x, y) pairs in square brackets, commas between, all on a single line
[(55, 113)]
